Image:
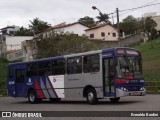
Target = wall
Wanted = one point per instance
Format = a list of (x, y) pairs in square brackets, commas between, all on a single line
[(15, 56), (14, 42), (29, 50), (128, 41)]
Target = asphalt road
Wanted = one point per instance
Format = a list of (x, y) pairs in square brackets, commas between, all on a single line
[(137, 103)]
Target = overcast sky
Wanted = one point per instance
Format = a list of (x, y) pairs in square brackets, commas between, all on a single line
[(19, 12)]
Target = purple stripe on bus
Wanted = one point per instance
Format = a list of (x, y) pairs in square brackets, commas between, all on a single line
[(52, 87)]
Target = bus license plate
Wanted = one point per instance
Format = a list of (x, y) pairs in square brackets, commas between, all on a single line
[(136, 93)]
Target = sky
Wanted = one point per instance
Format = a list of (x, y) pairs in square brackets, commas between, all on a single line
[(20, 12)]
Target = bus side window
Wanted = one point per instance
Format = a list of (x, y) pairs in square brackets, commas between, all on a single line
[(74, 65), (91, 63), (44, 68), (32, 69), (58, 67), (19, 76)]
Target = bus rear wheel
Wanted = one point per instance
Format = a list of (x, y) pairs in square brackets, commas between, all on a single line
[(32, 97), (54, 100), (114, 100), (91, 96)]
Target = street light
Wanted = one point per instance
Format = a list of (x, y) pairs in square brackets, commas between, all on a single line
[(100, 13), (117, 11)]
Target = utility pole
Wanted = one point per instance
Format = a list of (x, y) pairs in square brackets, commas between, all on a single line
[(119, 42)]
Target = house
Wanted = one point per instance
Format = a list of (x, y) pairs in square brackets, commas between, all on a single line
[(76, 28), (9, 30), (105, 32)]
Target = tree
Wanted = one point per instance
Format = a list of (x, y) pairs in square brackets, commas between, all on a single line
[(23, 32), (149, 27), (129, 24), (38, 25), (89, 21), (64, 44), (103, 18)]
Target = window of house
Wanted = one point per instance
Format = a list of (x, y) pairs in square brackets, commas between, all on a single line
[(32, 69), (91, 35), (114, 34), (74, 65), (102, 34), (91, 63), (109, 33), (58, 67)]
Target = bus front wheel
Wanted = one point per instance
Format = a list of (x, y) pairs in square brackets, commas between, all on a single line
[(91, 96), (32, 97)]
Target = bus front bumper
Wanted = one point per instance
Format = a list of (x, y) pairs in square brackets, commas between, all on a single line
[(121, 93)]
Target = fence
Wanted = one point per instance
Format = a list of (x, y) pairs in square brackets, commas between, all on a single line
[(152, 86)]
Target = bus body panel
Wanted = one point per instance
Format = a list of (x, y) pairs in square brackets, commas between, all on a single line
[(72, 85)]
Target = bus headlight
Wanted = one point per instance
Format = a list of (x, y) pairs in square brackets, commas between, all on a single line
[(142, 88), (123, 88)]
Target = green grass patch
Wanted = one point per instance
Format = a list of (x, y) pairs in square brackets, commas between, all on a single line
[(151, 59), (152, 75)]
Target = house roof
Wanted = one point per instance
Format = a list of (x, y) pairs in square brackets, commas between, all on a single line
[(100, 25), (63, 25), (8, 27)]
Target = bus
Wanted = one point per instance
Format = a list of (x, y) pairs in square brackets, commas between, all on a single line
[(109, 73)]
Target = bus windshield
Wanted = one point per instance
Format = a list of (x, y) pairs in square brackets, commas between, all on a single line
[(129, 67)]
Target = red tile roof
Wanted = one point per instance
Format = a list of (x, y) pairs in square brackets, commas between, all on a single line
[(100, 25), (63, 25)]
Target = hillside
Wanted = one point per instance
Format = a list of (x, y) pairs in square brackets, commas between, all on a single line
[(151, 59)]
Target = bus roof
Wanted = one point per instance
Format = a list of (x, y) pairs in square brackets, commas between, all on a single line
[(76, 54)]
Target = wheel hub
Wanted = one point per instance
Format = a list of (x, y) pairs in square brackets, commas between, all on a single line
[(90, 96)]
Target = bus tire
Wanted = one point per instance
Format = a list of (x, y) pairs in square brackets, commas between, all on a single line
[(32, 97), (115, 100), (91, 96), (54, 100)]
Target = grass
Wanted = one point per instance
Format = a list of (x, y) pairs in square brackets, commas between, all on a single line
[(151, 59)]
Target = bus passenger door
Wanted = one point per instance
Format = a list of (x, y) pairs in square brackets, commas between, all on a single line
[(108, 76), (19, 79)]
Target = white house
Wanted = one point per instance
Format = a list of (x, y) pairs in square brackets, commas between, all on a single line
[(9, 30), (105, 32), (76, 28)]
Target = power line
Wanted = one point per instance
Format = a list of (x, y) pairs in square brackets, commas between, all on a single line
[(139, 7), (131, 9)]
